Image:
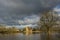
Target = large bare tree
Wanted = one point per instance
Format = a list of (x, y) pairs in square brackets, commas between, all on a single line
[(48, 20)]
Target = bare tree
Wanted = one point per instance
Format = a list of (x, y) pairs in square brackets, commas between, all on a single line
[(48, 20)]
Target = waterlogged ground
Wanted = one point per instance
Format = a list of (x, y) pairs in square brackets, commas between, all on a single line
[(27, 36)]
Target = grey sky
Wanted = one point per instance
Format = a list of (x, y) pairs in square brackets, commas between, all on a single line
[(11, 11)]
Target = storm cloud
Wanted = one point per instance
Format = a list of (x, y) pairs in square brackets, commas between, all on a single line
[(11, 11)]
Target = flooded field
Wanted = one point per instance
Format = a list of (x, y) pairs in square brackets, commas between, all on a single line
[(27, 36)]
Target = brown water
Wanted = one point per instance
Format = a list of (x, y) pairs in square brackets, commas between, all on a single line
[(35, 36)]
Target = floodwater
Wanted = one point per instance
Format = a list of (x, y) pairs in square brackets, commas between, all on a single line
[(29, 36)]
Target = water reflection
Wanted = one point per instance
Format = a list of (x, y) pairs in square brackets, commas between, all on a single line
[(52, 36), (29, 36)]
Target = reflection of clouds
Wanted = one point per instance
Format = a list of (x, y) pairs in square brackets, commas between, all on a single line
[(29, 20)]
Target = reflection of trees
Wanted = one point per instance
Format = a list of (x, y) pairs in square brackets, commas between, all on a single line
[(48, 20)]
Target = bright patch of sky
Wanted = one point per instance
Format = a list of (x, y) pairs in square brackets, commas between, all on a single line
[(57, 8), (29, 19)]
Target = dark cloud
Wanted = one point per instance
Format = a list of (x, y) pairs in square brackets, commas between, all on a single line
[(14, 10)]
